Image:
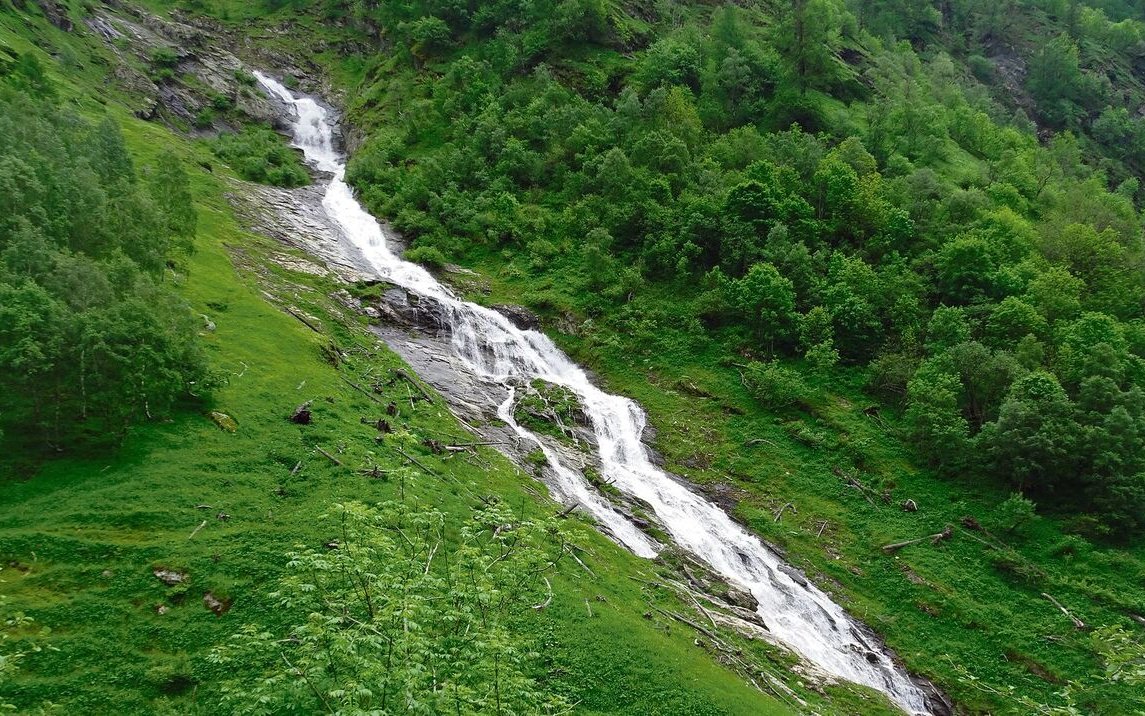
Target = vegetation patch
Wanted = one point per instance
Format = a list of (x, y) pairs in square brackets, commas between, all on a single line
[(260, 155)]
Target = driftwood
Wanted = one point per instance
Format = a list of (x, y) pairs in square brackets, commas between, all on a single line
[(942, 536), (1077, 623), (779, 514), (568, 510), (328, 456), (361, 390)]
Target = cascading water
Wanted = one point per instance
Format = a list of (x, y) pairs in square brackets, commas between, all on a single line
[(798, 615)]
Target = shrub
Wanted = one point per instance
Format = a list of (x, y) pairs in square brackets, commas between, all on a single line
[(775, 386), (430, 256)]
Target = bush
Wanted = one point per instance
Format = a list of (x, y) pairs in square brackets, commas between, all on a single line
[(1014, 514), (430, 256), (776, 386)]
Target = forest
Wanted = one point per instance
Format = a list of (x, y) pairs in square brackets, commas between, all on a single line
[(815, 185), (92, 338)]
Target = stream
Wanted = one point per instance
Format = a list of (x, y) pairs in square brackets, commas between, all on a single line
[(798, 614)]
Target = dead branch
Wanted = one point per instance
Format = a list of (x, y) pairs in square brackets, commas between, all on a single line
[(297, 467), (328, 456), (568, 510), (362, 390), (305, 321), (779, 514), (401, 374), (549, 599), (579, 561), (375, 472), (759, 441), (196, 531), (942, 536), (415, 461), (822, 526), (1077, 623)]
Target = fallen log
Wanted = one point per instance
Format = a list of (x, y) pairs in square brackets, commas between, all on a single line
[(303, 319), (942, 536)]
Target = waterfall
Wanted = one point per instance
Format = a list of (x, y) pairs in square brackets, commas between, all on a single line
[(799, 615)]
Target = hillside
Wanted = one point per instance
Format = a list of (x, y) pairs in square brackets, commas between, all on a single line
[(874, 271)]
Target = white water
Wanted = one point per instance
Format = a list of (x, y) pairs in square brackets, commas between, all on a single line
[(802, 617)]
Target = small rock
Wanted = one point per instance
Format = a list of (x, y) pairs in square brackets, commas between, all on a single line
[(794, 574), (373, 313), (170, 577), (162, 609), (740, 597), (224, 421), (910, 506), (106, 574), (208, 324), (216, 605)]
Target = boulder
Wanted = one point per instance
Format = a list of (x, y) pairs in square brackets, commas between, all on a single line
[(224, 421), (519, 316), (170, 577)]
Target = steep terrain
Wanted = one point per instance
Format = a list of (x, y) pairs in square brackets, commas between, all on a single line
[(845, 333)]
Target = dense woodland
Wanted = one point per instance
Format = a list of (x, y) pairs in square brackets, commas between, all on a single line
[(91, 336), (819, 185)]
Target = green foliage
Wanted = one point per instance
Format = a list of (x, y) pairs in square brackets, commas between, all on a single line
[(428, 255), (260, 155), (776, 386), (1014, 513), (411, 612), (90, 338)]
